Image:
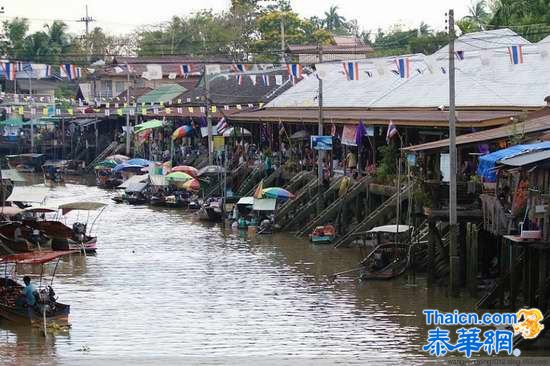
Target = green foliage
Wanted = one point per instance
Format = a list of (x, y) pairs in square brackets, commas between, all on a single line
[(387, 166), (397, 41)]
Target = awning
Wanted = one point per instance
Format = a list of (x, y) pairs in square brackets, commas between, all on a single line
[(246, 201), (136, 187), (84, 206), (527, 159), (86, 122), (158, 180), (13, 175), (390, 229), (134, 179), (162, 94), (266, 204), (39, 210), (37, 257), (28, 194)]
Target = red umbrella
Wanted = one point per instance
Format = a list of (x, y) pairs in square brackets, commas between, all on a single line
[(186, 169), (192, 185)]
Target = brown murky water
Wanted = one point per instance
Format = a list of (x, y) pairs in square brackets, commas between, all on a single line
[(165, 287)]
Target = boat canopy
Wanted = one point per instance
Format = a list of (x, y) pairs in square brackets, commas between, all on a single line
[(13, 175), (390, 229), (10, 210), (158, 180), (28, 194), (246, 201), (38, 257), (265, 204), (39, 209), (136, 187), (134, 179), (84, 206)]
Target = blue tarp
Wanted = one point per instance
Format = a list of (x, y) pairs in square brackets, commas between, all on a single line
[(126, 166), (138, 161), (485, 169)]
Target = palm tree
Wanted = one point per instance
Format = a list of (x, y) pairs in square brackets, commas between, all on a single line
[(478, 15), (333, 20)]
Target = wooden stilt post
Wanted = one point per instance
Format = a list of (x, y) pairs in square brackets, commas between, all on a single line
[(431, 253)]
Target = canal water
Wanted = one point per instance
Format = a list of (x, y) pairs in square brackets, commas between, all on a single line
[(164, 286)]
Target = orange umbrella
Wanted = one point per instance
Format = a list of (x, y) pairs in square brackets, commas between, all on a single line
[(186, 169)]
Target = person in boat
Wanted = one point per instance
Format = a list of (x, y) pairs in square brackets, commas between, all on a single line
[(29, 292), (18, 234)]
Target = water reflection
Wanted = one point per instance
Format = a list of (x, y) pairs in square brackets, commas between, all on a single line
[(164, 284)]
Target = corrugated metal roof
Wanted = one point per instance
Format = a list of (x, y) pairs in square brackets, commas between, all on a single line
[(536, 125), (162, 94), (526, 159), (400, 117), (496, 84)]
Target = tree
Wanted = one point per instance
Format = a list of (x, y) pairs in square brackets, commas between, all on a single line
[(334, 21), (13, 34), (478, 15), (527, 17)]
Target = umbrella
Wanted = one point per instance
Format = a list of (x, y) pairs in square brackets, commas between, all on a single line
[(236, 132), (179, 177), (106, 164), (149, 125), (183, 131), (118, 158), (192, 185), (125, 166), (277, 193), (138, 161), (300, 135), (186, 169), (210, 170)]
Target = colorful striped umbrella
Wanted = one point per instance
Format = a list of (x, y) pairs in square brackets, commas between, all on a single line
[(186, 169), (105, 164), (277, 193), (179, 177), (183, 131)]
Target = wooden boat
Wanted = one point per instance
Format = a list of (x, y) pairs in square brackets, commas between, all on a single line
[(12, 302), (53, 173), (107, 179), (26, 162), (386, 261), (63, 237), (323, 234), (8, 243)]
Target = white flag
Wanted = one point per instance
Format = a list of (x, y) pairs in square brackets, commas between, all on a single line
[(172, 75), (253, 79), (279, 79), (154, 72), (107, 112)]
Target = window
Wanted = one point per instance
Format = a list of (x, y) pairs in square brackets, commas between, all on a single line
[(120, 86)]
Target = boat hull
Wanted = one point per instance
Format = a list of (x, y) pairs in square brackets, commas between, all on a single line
[(89, 246)]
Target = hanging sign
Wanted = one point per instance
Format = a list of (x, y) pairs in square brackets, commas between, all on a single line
[(321, 143), (348, 135)]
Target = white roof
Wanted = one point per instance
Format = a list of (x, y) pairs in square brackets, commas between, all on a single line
[(390, 229), (246, 201), (495, 82), (133, 179), (544, 40), (28, 194), (265, 204)]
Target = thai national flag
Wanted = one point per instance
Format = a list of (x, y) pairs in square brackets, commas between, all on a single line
[(185, 70), (265, 79), (71, 72), (516, 54), (222, 126), (392, 131), (295, 70), (403, 67), (10, 71), (351, 69), (240, 80), (238, 67), (48, 71)]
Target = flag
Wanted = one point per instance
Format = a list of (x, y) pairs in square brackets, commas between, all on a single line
[(369, 74), (333, 130), (281, 128), (185, 69), (403, 67), (253, 79), (265, 79), (295, 70), (238, 67), (48, 71), (351, 69), (258, 194), (516, 54), (222, 126), (240, 80), (459, 55), (71, 72), (9, 71), (360, 131), (278, 79), (392, 131)]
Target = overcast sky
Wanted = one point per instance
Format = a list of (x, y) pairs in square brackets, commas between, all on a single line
[(122, 16)]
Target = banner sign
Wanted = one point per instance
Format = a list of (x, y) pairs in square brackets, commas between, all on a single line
[(348, 135), (321, 143)]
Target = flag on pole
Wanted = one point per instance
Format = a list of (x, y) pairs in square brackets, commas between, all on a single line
[(222, 126), (351, 69), (258, 193), (185, 70), (392, 131), (282, 130), (360, 131), (295, 70), (516, 54), (333, 130), (403, 67), (9, 71)]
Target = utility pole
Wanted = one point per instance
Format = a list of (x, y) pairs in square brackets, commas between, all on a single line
[(454, 263), (283, 38), (320, 131), (128, 112), (208, 117), (87, 20)]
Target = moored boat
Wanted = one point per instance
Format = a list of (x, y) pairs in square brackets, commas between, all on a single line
[(323, 234)]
